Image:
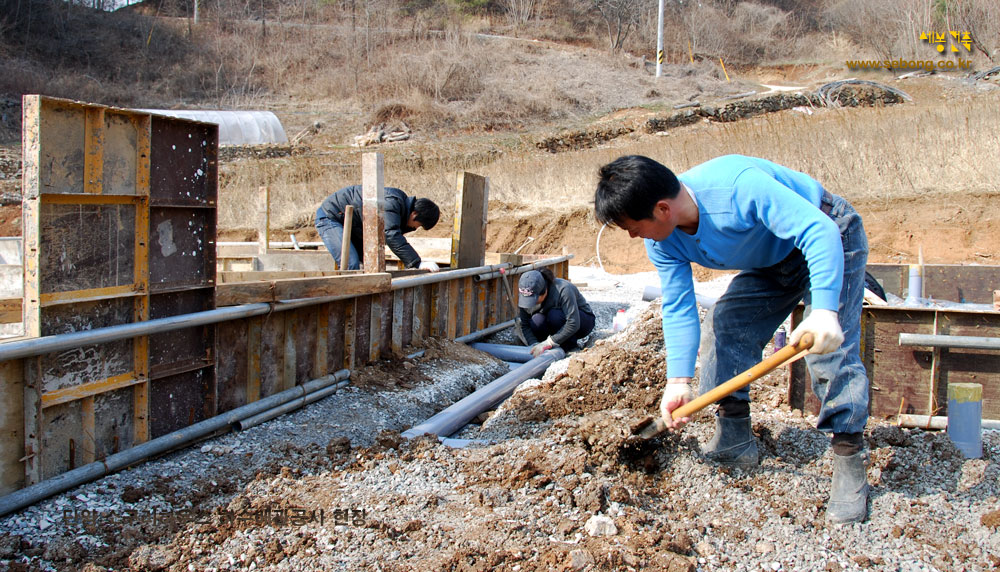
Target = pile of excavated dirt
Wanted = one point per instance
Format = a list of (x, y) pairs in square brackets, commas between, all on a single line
[(559, 484)]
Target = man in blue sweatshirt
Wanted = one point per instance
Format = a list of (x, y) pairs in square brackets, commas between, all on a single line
[(791, 240)]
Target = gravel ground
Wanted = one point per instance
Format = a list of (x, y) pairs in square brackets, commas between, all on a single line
[(560, 487)]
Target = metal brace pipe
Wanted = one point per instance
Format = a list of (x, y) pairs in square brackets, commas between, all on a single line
[(943, 341)]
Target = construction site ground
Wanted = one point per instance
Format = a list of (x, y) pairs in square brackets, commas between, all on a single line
[(556, 487), (556, 466)]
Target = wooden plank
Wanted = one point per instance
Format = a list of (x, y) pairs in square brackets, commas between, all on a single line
[(306, 322), (87, 442), (33, 452), (322, 345), (231, 294), (227, 277), (468, 243), (375, 335), (11, 426), (289, 370), (93, 154), (466, 285), (264, 220), (362, 330), (272, 353), (349, 333), (335, 334), (385, 339), (451, 326), (87, 295), (421, 314), (406, 326), (373, 212), (482, 290), (85, 390), (232, 363), (10, 310), (253, 352), (438, 308), (397, 321), (492, 302)]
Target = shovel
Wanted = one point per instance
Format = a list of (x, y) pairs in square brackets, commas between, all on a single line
[(786, 355)]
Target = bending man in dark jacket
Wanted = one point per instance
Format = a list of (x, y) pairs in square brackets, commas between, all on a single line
[(552, 309), (403, 214)]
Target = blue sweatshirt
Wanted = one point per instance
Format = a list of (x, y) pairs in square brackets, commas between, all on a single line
[(752, 214)]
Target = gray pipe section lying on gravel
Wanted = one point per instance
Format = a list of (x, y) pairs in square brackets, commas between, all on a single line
[(943, 341), (937, 422), (517, 354), (455, 417), (34, 493), (524, 267), (287, 407), (484, 332)]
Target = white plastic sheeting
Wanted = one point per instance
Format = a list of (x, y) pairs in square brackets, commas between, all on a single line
[(235, 127)]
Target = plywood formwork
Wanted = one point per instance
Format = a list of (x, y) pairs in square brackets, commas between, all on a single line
[(119, 226), (157, 227), (914, 380)]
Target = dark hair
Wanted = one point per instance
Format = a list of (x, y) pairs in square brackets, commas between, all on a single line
[(428, 213), (630, 186), (549, 277)]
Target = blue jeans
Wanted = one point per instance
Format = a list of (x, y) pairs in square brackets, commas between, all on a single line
[(331, 233), (757, 301), (544, 325)]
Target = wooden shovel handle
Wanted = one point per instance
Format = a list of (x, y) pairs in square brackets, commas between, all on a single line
[(786, 354)]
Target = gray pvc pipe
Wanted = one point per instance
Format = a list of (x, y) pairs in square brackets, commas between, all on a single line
[(434, 277), (943, 341), (288, 406), (484, 332), (524, 267), (937, 422), (517, 354), (461, 412), (65, 481), (60, 342)]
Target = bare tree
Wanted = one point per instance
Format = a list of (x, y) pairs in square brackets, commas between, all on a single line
[(621, 17), (519, 12)]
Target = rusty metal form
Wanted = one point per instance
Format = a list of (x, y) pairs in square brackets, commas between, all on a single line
[(120, 226), (914, 379)]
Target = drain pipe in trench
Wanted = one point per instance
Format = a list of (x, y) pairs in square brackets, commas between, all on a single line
[(112, 463), (456, 416)]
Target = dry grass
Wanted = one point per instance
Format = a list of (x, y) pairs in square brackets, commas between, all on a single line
[(945, 146)]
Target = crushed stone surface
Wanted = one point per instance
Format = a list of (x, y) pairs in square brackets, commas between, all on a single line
[(561, 483)]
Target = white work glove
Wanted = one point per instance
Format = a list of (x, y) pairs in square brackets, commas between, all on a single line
[(825, 328), (428, 265), (675, 394), (540, 347)]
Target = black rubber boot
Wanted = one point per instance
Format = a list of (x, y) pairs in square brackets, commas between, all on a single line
[(849, 493), (733, 443)]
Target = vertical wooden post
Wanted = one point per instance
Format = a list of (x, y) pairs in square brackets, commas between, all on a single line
[(140, 351), (373, 215), (288, 372), (254, 349), (421, 315), (264, 219), (467, 297), (345, 240), (397, 322), (33, 420), (375, 335), (451, 326), (320, 360), (468, 238), (93, 155), (88, 440), (349, 332)]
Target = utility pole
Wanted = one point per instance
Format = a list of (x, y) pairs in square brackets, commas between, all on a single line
[(659, 41)]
